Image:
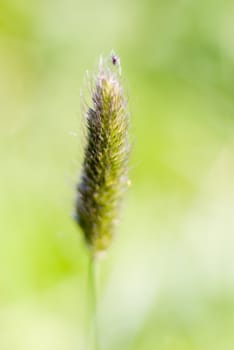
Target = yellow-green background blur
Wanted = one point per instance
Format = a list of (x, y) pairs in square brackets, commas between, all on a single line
[(168, 281)]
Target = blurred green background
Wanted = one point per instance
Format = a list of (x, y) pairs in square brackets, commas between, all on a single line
[(168, 282)]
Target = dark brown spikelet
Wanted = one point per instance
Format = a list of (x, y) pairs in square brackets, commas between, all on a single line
[(104, 174)]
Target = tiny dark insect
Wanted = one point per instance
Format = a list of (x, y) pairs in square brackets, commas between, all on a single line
[(116, 62), (114, 59)]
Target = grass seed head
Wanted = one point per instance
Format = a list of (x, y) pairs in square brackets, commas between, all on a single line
[(104, 176)]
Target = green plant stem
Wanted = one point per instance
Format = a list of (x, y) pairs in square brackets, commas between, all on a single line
[(94, 312)]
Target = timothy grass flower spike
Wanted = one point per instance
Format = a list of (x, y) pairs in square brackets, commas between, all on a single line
[(104, 176)]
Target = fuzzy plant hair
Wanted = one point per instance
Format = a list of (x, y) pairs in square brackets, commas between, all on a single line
[(104, 176)]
